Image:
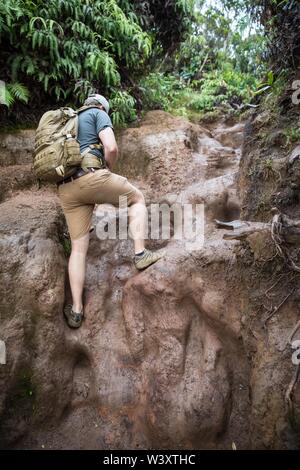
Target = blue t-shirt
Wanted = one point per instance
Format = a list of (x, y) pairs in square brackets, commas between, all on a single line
[(90, 123)]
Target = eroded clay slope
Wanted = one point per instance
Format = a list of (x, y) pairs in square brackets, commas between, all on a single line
[(168, 358)]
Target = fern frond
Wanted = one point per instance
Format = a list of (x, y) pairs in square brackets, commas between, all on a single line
[(15, 92)]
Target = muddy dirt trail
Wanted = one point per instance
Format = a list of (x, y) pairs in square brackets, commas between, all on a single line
[(173, 357)]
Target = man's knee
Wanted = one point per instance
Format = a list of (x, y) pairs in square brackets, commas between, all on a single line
[(80, 245), (138, 197)]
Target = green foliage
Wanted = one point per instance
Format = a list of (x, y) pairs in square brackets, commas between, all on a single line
[(262, 87), (221, 35), (67, 245), (62, 50), (269, 93), (220, 63), (292, 135), (214, 89), (159, 90), (123, 108), (280, 19), (223, 86), (168, 20), (70, 47), (12, 92), (247, 52)]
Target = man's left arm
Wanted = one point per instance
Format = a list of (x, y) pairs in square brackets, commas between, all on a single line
[(108, 140)]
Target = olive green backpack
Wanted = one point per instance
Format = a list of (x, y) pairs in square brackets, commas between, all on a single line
[(57, 151)]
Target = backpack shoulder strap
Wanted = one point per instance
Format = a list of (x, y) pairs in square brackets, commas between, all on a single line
[(83, 108), (80, 110)]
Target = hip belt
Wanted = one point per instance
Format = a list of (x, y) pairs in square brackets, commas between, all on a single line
[(80, 172)]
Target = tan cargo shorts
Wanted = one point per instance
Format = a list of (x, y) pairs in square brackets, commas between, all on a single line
[(78, 198)]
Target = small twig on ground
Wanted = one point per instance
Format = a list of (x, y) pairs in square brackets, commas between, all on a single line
[(274, 285), (275, 310)]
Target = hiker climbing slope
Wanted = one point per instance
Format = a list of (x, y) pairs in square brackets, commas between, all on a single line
[(84, 178)]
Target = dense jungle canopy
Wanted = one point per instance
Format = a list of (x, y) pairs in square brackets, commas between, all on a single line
[(185, 56)]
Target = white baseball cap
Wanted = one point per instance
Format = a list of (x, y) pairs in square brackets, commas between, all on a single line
[(101, 99)]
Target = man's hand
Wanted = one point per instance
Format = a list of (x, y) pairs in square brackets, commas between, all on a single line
[(108, 140)]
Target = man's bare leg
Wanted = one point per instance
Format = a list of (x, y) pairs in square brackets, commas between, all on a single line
[(138, 219), (138, 222), (77, 264)]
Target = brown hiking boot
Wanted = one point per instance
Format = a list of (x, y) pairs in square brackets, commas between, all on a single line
[(146, 259), (74, 319)]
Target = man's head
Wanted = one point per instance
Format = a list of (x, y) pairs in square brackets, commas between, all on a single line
[(97, 100)]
